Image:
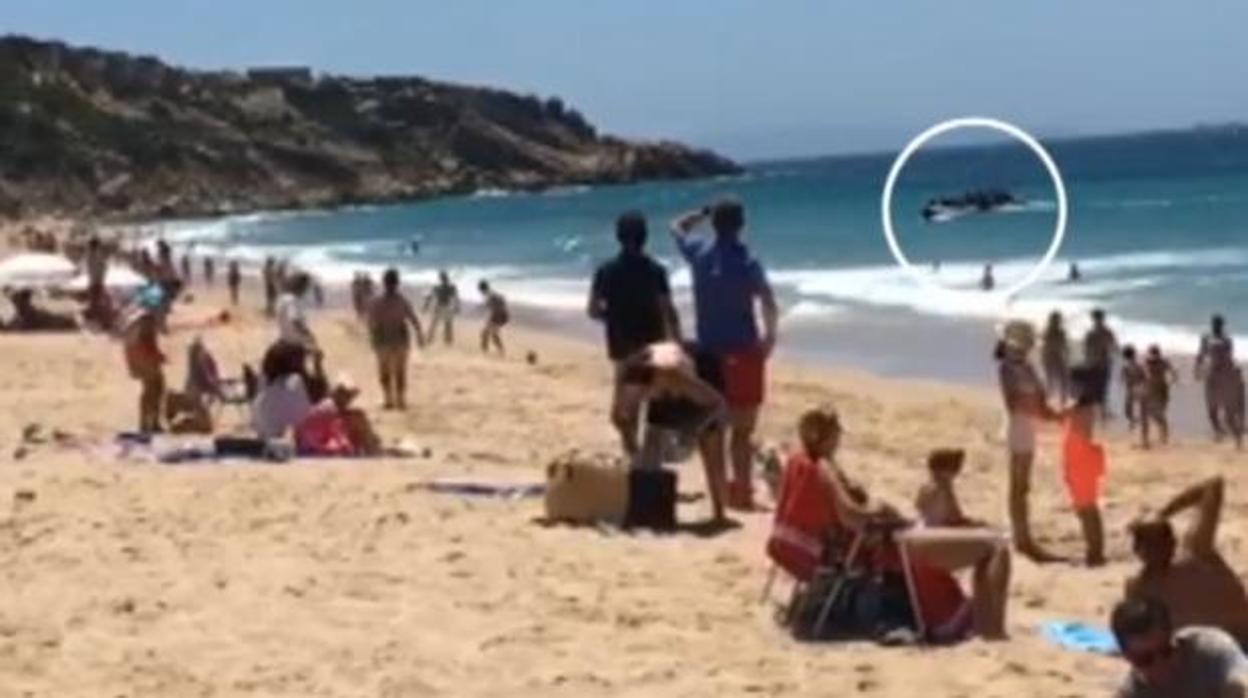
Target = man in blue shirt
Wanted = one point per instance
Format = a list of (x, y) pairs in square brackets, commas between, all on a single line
[(729, 289)]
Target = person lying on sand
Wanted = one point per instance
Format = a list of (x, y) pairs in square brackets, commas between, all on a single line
[(1194, 661), (938, 549), (937, 501), (1190, 577)]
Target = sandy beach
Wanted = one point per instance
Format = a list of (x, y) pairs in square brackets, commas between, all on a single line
[(349, 579)]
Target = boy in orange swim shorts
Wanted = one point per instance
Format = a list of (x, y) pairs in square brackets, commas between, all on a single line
[(1084, 464)]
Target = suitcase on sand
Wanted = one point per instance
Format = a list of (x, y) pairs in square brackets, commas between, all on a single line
[(586, 489), (651, 499)]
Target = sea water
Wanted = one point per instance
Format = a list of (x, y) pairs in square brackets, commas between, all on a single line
[(1156, 225)]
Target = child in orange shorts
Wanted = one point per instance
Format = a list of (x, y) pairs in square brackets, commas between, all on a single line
[(1084, 464)]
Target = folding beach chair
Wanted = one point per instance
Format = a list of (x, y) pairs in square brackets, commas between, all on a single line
[(810, 545), (203, 378)]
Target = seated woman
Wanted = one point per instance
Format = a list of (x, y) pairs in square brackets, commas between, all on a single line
[(934, 552), (283, 401), (335, 428)]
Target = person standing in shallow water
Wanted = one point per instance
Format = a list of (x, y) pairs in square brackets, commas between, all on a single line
[(389, 316), (987, 282), (234, 278), (268, 276), (1099, 347), (729, 289), (1055, 358), (631, 296), (443, 301), (1215, 364)]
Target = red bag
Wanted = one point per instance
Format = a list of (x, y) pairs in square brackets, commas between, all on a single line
[(324, 433)]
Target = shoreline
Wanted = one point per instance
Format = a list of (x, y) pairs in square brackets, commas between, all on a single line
[(882, 341)]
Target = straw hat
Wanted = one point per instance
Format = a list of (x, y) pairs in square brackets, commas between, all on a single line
[(1019, 335)]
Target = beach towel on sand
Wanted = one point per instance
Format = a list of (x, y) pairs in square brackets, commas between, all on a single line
[(485, 489), (1080, 637)]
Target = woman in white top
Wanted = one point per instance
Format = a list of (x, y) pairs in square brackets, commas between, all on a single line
[(283, 401), (1025, 404)]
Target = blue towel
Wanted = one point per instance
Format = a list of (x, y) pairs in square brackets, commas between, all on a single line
[(1080, 637)]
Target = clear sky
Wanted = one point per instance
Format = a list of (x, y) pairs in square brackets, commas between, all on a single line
[(753, 78)]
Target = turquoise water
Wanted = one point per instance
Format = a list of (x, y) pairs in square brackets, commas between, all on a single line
[(1157, 225)]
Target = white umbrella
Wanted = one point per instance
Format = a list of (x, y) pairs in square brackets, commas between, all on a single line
[(116, 278), (36, 270)]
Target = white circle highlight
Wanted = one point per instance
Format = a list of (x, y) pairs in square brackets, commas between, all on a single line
[(886, 201)]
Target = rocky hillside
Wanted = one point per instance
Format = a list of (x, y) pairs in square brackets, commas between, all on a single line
[(105, 133)]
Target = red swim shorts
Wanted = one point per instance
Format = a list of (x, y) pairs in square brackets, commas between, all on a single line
[(744, 374)]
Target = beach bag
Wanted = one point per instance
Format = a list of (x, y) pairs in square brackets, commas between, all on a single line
[(651, 499), (239, 446), (586, 489), (324, 432), (860, 606)]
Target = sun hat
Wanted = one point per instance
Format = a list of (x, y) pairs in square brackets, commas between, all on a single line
[(1019, 334)]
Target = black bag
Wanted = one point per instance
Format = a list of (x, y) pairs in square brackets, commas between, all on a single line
[(677, 414), (651, 499), (243, 447), (865, 607)]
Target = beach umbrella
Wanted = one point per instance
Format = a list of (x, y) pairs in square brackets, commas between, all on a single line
[(116, 278), (36, 270)]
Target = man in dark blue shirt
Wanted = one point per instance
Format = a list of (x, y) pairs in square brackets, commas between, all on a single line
[(631, 297), (729, 288)]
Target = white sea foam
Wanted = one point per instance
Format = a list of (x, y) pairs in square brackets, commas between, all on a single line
[(810, 311), (812, 295), (572, 190), (492, 193)]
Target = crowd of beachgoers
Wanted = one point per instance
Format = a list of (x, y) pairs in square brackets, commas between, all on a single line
[(1181, 623)]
